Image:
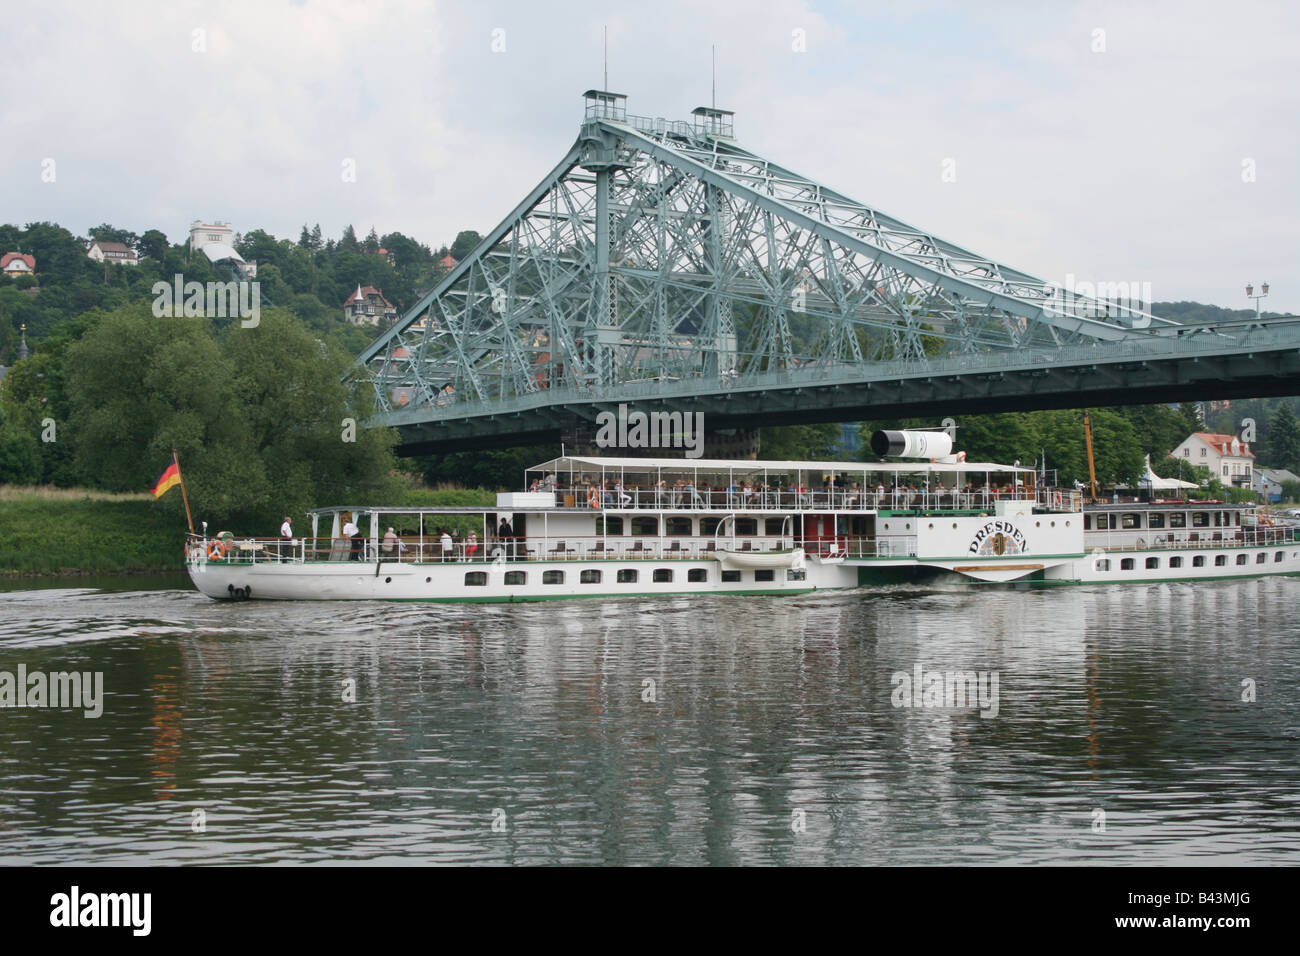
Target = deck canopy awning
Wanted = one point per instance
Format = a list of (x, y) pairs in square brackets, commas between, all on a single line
[(725, 466)]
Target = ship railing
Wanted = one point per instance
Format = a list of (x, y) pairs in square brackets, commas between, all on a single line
[(1192, 541), (254, 551), (583, 498)]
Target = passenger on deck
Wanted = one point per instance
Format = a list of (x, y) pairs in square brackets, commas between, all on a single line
[(350, 530), (388, 547), (471, 545), (447, 545)]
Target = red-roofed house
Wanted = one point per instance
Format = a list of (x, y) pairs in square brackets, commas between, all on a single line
[(1227, 456), (447, 262), (17, 264), (367, 306)]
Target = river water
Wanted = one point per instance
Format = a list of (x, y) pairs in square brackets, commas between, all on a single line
[(719, 730)]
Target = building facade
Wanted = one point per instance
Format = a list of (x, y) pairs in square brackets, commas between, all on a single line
[(117, 253), (1228, 457), (367, 306)]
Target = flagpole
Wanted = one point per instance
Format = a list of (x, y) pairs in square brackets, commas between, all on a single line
[(184, 495)]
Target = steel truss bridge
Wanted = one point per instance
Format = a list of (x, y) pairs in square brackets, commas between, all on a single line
[(662, 265)]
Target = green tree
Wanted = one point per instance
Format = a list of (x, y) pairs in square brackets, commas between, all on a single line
[(464, 244), (258, 415), (1284, 438)]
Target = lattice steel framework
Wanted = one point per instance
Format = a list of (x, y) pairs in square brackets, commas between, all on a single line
[(665, 251)]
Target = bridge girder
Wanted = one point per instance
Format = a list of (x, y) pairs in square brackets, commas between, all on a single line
[(657, 252)]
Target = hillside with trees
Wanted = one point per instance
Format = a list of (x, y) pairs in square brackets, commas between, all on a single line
[(258, 412)]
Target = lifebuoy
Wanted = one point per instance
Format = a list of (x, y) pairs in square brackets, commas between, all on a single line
[(216, 550), (593, 498)]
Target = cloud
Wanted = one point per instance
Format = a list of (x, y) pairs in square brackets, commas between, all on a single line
[(1118, 165)]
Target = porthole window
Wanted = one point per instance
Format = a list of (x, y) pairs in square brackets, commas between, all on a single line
[(663, 575), (516, 577), (627, 575), (552, 577), (697, 575), (1198, 561), (1242, 558), (1261, 558), (730, 577), (1153, 563), (475, 579), (590, 576), (764, 574), (1127, 564), (1176, 561)]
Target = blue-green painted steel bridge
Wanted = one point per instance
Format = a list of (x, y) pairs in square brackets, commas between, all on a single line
[(662, 265)]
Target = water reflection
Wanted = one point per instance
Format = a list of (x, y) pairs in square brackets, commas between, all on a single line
[(721, 730)]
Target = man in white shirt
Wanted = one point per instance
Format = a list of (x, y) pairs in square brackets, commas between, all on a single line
[(352, 532), (286, 539), (447, 545)]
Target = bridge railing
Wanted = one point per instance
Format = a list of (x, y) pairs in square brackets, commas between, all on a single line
[(1142, 345)]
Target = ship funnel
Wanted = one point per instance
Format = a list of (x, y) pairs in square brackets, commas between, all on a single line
[(911, 444)]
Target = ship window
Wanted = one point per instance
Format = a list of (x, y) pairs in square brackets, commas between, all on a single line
[(1221, 560), (1155, 520), (1103, 564), (552, 577), (709, 525), (475, 578), (1176, 561), (1198, 561), (589, 576), (1277, 556), (1103, 522), (609, 525), (627, 575), (774, 526), (1087, 522), (1178, 520), (730, 577), (697, 575), (796, 574), (1153, 562), (1200, 519), (1127, 564), (663, 575), (1261, 558), (764, 574), (1242, 558), (677, 525), (516, 577), (1131, 520), (747, 526), (645, 524)]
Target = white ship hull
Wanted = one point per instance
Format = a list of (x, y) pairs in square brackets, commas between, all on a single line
[(460, 581)]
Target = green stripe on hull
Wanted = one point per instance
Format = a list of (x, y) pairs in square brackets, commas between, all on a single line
[(530, 599)]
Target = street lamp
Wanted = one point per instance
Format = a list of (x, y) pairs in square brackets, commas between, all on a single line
[(1263, 294)]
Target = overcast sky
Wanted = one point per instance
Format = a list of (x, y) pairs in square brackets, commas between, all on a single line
[(1119, 155)]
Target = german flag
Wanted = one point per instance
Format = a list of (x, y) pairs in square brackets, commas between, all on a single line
[(170, 477)]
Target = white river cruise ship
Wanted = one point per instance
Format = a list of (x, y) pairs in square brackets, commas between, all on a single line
[(607, 527)]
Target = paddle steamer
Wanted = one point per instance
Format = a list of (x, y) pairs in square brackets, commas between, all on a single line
[(607, 527)]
